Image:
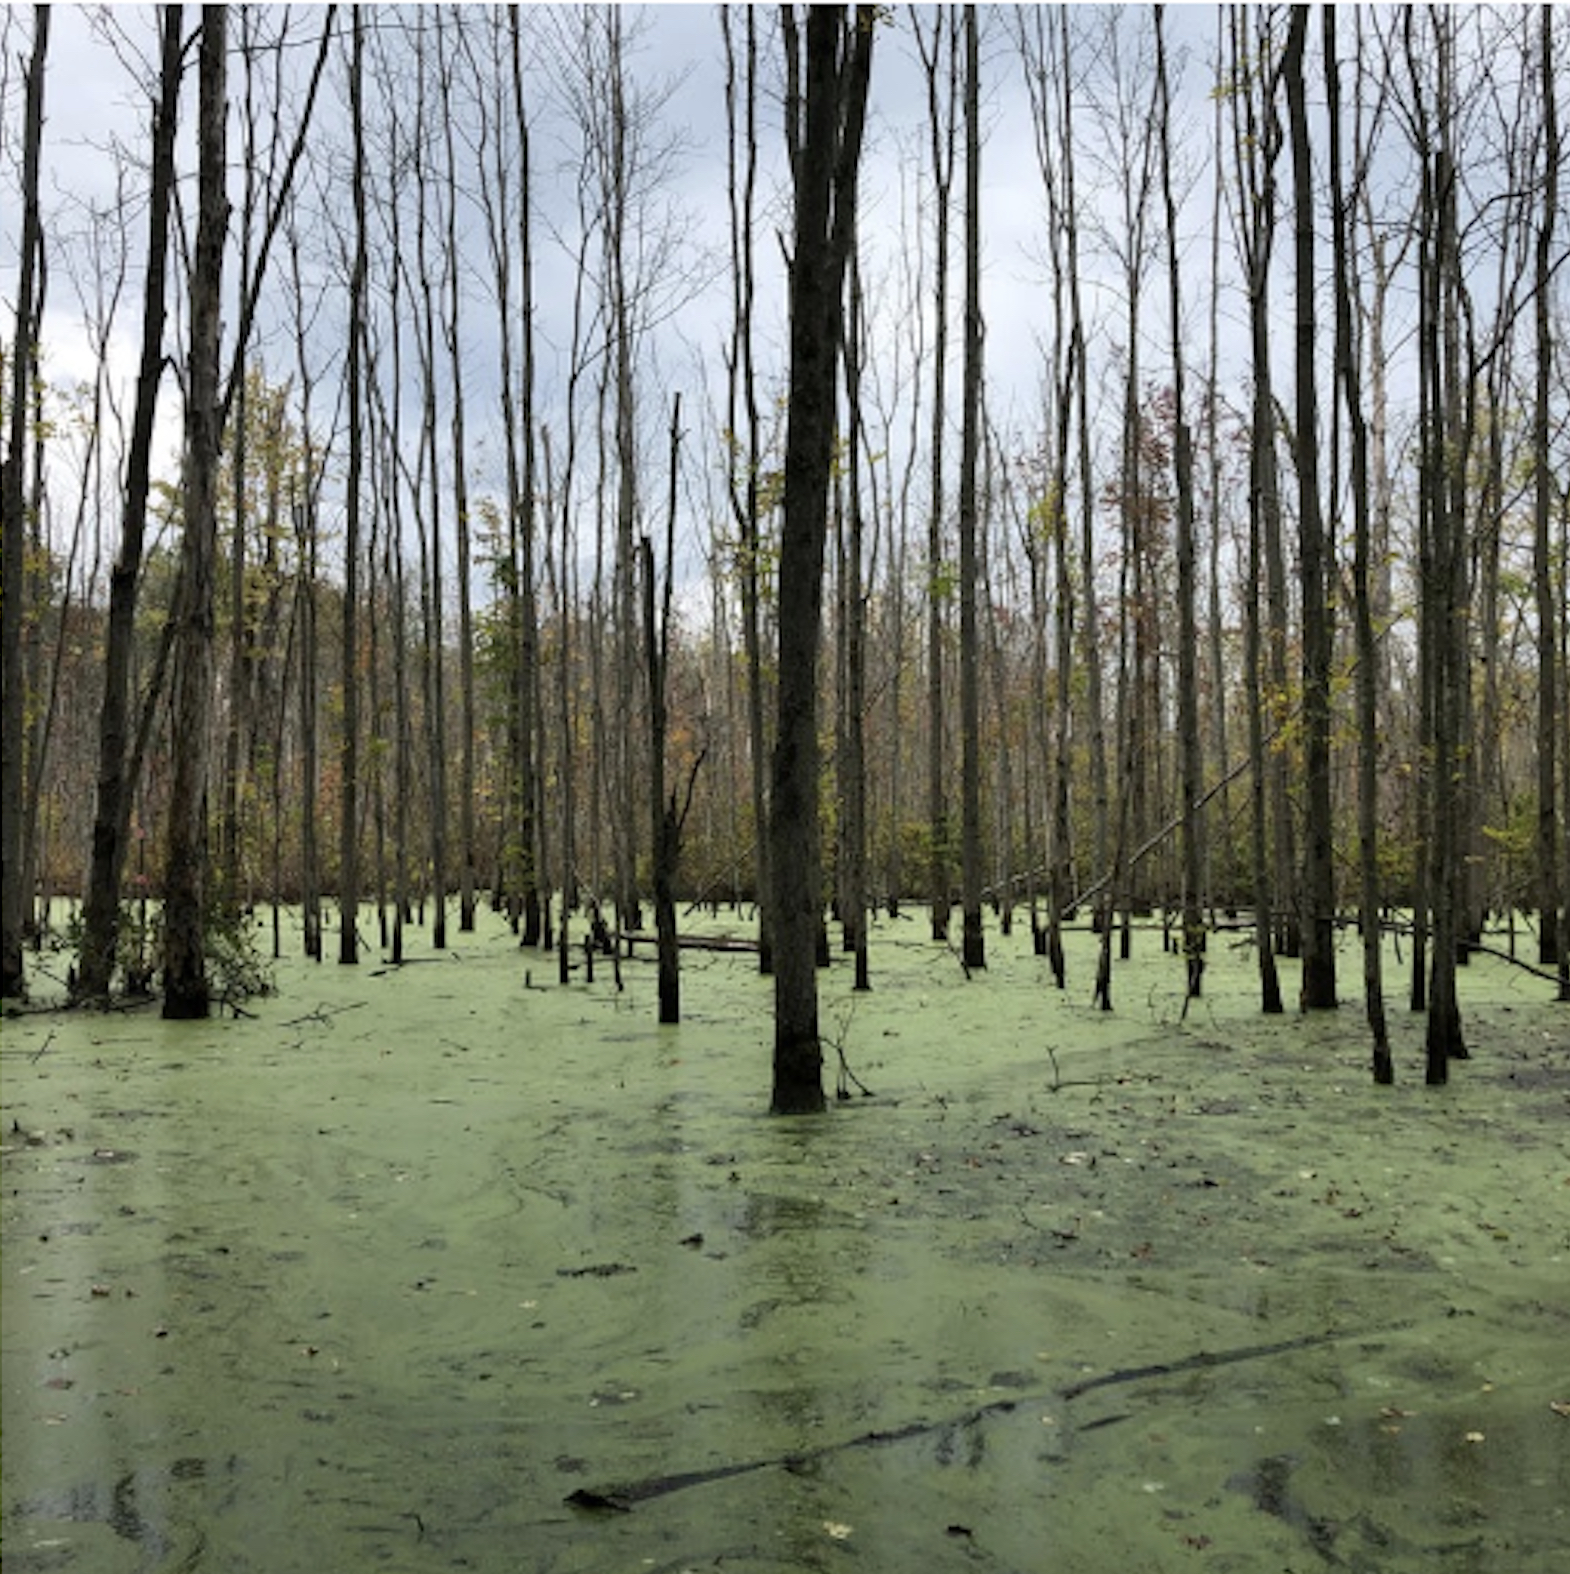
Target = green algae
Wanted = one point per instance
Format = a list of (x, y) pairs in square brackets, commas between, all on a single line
[(382, 1276)]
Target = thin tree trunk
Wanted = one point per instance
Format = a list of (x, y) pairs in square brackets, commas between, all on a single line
[(942, 132), (664, 823), (743, 451), (186, 990), (853, 783), (349, 754), (433, 591), (1346, 358), (101, 910), (1192, 768), (452, 332), (530, 828), (1550, 899), (973, 948), (1257, 139)]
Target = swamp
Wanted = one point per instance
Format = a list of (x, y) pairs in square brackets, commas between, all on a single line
[(447, 1266)]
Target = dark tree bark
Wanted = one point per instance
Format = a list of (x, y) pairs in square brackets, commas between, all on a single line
[(186, 991), (973, 947), (1319, 935), (14, 894), (1551, 941), (111, 817), (1441, 522), (851, 768), (1090, 621), (1346, 359), (452, 336), (349, 752), (664, 819), (530, 822), (305, 490), (743, 449), (942, 128), (617, 176), (1257, 138), (433, 647), (1191, 769), (838, 69)]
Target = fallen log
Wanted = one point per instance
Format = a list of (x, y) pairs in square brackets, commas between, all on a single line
[(621, 1499), (634, 937)]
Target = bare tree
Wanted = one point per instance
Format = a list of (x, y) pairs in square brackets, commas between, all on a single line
[(1191, 770), (349, 753), (14, 896), (186, 991), (1319, 936), (838, 70), (1257, 141), (942, 127), (973, 947), (1553, 942), (462, 533), (1347, 363), (1444, 441), (666, 819), (100, 912), (743, 446)]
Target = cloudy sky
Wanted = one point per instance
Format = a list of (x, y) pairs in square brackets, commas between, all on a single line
[(96, 104)]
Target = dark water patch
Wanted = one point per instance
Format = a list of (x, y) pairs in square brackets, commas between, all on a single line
[(764, 1215), (136, 1507), (1268, 1485)]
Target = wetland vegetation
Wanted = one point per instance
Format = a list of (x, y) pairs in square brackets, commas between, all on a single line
[(442, 1267)]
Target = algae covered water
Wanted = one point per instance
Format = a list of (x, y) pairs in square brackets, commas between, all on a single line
[(445, 1267)]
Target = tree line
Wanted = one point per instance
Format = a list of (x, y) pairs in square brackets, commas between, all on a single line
[(1254, 614)]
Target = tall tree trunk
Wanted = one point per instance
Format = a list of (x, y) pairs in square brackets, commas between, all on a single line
[(530, 827), (853, 772), (1190, 773), (433, 590), (620, 325), (1346, 359), (743, 449), (1550, 898), (111, 815), (838, 69), (349, 753), (452, 331), (664, 820), (1319, 897), (1222, 868), (1094, 705), (15, 896), (186, 991), (1442, 513), (973, 947), (941, 126), (1257, 139)]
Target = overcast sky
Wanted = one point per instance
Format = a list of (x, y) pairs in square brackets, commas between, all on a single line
[(95, 102)]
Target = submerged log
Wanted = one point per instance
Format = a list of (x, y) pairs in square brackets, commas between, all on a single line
[(620, 1499)]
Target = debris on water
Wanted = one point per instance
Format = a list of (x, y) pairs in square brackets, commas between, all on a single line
[(597, 1502)]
